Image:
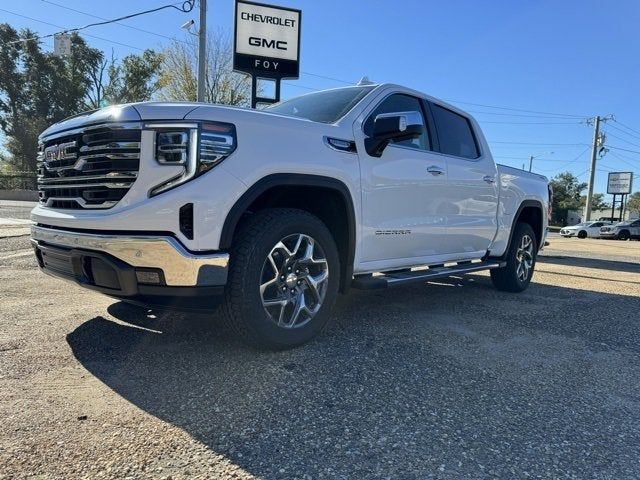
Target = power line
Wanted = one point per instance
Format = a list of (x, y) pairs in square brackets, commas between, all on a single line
[(182, 41), (525, 158), (623, 139), (624, 131), (627, 161), (626, 126), (540, 144), (531, 123), (516, 109), (116, 22), (623, 149), (186, 6), (566, 164), (479, 112), (58, 26), (297, 85), (328, 78)]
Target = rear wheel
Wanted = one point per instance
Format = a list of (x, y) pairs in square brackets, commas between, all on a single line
[(516, 275), (283, 279), (624, 235), (582, 234)]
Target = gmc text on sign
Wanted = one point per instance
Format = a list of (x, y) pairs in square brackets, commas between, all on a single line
[(267, 40)]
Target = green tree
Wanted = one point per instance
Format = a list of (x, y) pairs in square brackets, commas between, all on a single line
[(633, 203), (566, 195), (135, 79), (597, 202), (37, 89)]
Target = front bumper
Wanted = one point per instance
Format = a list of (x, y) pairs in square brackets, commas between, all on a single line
[(609, 234), (153, 270), (568, 233)]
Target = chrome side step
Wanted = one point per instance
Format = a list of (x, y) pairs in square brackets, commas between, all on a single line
[(370, 282)]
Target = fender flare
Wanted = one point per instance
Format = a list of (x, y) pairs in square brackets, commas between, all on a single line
[(295, 179), (526, 203)]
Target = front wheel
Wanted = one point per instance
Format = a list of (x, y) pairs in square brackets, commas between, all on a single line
[(624, 235), (516, 275), (582, 234), (283, 278)]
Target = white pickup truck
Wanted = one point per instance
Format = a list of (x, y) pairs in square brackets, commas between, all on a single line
[(270, 213)]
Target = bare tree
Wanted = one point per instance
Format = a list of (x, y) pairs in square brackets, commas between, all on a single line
[(95, 95), (178, 79)]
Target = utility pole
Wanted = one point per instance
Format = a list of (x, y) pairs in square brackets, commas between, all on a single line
[(532, 157), (202, 49), (592, 170)]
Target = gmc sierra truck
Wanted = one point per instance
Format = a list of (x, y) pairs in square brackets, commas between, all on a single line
[(267, 214)]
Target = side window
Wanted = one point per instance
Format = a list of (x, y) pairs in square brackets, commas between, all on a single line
[(597, 224), (399, 103), (454, 133)]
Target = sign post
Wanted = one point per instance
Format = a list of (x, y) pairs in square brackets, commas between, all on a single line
[(619, 183), (266, 45)]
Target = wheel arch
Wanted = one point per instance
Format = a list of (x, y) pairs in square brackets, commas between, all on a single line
[(531, 212), (336, 210)]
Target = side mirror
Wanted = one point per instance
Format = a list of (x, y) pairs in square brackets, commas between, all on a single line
[(393, 126)]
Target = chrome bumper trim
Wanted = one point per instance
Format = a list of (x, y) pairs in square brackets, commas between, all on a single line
[(181, 268)]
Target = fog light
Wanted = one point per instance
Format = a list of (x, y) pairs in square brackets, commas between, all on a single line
[(150, 276)]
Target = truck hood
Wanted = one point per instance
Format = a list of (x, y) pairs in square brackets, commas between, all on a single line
[(149, 111)]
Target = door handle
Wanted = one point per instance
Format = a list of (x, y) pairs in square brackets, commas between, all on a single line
[(489, 179), (435, 170)]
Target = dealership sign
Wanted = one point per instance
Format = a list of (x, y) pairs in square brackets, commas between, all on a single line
[(620, 183), (267, 40)]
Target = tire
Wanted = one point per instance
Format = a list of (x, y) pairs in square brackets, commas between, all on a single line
[(582, 234), (507, 278), (256, 269), (624, 235)]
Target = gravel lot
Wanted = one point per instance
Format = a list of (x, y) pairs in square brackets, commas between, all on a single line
[(448, 380)]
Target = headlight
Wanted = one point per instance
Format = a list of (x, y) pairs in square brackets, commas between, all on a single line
[(196, 147)]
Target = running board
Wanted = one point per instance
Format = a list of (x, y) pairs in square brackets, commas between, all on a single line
[(388, 279)]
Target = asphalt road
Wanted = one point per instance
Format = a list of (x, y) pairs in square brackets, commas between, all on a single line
[(450, 380)]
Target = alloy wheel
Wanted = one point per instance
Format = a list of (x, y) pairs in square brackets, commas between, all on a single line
[(294, 281), (524, 258)]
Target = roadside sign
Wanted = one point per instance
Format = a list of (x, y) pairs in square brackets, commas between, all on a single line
[(266, 45), (267, 40), (61, 44), (620, 183)]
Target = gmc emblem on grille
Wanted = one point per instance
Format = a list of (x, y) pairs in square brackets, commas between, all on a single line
[(59, 152)]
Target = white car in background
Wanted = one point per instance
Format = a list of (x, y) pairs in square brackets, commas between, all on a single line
[(622, 230), (583, 230)]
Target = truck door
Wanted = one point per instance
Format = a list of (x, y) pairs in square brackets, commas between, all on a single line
[(473, 183), (403, 215)]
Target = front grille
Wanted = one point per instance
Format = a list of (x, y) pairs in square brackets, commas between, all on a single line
[(91, 167)]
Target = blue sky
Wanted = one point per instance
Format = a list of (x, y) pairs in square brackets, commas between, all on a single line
[(569, 59)]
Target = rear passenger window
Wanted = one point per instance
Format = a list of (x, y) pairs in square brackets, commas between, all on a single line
[(454, 133)]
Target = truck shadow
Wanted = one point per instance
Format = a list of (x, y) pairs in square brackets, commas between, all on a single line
[(403, 382)]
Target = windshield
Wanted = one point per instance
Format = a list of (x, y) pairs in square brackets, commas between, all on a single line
[(327, 106)]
